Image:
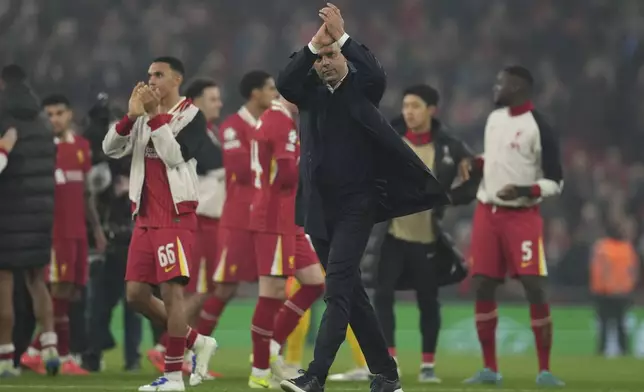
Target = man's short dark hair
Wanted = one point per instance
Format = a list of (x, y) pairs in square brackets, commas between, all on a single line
[(56, 99), (13, 73), (175, 64), (520, 72), (424, 92), (198, 86), (251, 81)]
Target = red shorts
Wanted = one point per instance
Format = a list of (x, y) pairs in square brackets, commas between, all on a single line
[(235, 260), (275, 254), (204, 258), (304, 253), (69, 262), (157, 255), (507, 241)]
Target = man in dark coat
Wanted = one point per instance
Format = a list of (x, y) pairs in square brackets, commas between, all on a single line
[(26, 218), (355, 171)]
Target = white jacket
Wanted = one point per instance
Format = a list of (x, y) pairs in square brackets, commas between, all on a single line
[(176, 143)]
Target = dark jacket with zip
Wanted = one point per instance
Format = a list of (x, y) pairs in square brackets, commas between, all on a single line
[(27, 183), (403, 183), (449, 152)]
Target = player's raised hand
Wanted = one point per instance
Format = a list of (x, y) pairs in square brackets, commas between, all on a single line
[(333, 21), (508, 192), (150, 99), (9, 139), (322, 38), (135, 107)]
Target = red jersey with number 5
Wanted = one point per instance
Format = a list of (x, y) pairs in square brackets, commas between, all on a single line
[(275, 152), (73, 162), (234, 135)]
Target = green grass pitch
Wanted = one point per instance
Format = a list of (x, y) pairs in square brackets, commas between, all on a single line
[(573, 360), (582, 374)]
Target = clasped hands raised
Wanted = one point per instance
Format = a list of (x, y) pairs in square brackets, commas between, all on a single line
[(332, 29)]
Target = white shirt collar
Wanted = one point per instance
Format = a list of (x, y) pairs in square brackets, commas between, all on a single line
[(245, 115), (68, 138), (332, 88)]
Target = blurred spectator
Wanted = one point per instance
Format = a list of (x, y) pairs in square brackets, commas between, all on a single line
[(613, 275)]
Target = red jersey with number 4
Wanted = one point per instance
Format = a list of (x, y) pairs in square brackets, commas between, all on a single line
[(274, 155), (73, 162), (234, 134)]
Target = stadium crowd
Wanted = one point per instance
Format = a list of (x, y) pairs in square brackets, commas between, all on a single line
[(585, 57)]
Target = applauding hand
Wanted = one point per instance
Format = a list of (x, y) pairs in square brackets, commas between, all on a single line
[(135, 105), (150, 99), (333, 21), (321, 38)]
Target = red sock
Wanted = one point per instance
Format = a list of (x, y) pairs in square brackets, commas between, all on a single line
[(262, 330), (209, 316), (542, 329), (428, 358), (486, 320), (191, 338), (174, 354), (163, 340), (61, 325), (293, 309), (35, 344), (392, 351)]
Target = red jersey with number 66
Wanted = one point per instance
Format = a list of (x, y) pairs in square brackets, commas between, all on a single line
[(275, 152)]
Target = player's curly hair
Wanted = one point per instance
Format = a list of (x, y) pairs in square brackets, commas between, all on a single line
[(520, 72), (253, 80)]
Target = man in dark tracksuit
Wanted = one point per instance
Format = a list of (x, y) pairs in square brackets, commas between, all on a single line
[(355, 171), (107, 284), (409, 256)]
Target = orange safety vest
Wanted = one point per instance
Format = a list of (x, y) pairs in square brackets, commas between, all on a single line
[(613, 268)]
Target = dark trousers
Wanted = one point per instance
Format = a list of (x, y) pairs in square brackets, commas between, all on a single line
[(611, 311), (108, 289), (346, 299), (413, 265), (78, 323), (24, 320)]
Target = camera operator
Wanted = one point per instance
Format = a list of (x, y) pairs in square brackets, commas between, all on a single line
[(110, 182)]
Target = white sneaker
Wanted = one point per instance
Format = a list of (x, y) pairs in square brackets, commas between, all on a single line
[(282, 371), (357, 374), (163, 384), (7, 370), (204, 350)]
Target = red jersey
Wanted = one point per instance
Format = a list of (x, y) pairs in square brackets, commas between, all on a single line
[(274, 153), (73, 162), (234, 135), (157, 207)]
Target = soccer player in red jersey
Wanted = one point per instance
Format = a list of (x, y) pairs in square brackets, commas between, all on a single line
[(206, 96), (274, 151), (235, 253), (164, 132), (68, 271), (521, 166)]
